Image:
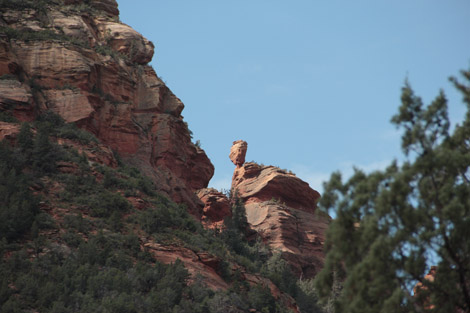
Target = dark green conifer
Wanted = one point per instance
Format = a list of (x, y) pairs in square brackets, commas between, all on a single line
[(392, 225)]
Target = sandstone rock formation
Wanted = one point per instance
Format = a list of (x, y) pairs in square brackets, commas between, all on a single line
[(207, 266), (95, 152), (75, 58), (8, 131), (280, 207), (238, 152), (298, 235), (79, 61), (257, 183), (196, 263), (16, 95), (216, 206)]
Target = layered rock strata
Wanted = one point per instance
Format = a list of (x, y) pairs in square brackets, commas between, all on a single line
[(281, 208), (216, 206), (81, 62), (238, 152)]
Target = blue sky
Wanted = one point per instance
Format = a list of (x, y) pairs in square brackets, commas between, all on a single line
[(311, 85)]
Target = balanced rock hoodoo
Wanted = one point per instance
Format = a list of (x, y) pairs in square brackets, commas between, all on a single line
[(281, 208)]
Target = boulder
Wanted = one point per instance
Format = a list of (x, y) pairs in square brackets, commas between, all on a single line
[(238, 152)]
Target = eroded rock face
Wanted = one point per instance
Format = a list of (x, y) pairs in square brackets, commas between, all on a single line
[(297, 234), (238, 152), (72, 105), (13, 93), (17, 98), (108, 6), (202, 263), (255, 183), (207, 265), (95, 152), (94, 72), (126, 41), (281, 208), (216, 205), (9, 131)]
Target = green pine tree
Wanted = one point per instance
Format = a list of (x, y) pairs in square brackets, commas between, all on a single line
[(45, 153), (392, 225)]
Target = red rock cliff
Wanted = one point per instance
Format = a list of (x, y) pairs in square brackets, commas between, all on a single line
[(280, 207), (79, 61)]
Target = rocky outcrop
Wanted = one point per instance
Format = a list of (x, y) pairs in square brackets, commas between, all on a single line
[(75, 58), (256, 183), (13, 93), (207, 265), (127, 41), (92, 70), (201, 263), (9, 131), (95, 152), (16, 96), (238, 152), (216, 206), (298, 235), (281, 208), (71, 104)]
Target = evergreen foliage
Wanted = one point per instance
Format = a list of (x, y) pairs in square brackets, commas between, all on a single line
[(7, 116), (95, 262), (278, 271), (18, 206), (392, 225), (40, 5), (45, 153), (40, 35)]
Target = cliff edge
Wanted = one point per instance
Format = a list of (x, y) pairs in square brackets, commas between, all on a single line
[(78, 60), (281, 208)]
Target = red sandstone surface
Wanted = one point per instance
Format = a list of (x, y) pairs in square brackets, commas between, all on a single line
[(100, 79), (280, 207), (238, 152), (216, 205)]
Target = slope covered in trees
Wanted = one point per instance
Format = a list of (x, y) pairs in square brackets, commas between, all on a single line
[(72, 240)]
